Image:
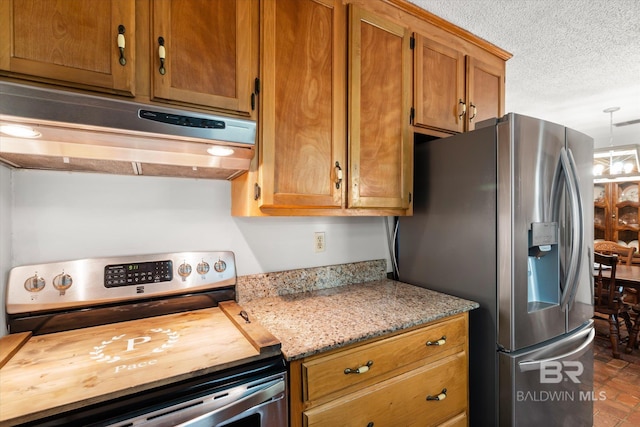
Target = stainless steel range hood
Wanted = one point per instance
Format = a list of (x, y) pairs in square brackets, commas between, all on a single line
[(79, 132)]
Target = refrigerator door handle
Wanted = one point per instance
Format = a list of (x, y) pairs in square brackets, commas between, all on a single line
[(534, 365), (575, 205), (577, 223), (580, 221)]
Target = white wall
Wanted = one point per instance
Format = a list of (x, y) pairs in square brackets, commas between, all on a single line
[(56, 216), (5, 237)]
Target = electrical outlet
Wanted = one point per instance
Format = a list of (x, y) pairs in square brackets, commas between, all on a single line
[(318, 240)]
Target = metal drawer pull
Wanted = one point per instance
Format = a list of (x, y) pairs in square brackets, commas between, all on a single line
[(360, 370), (441, 341), (245, 316), (441, 396), (338, 171), (464, 109), (121, 44), (162, 54)]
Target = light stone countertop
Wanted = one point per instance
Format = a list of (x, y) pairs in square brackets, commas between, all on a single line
[(311, 322)]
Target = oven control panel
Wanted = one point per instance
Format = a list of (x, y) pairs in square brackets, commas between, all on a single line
[(87, 282), (138, 273)]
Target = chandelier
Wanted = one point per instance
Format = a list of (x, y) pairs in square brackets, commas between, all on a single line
[(615, 163)]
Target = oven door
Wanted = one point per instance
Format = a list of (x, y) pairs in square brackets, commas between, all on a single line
[(259, 403), (251, 395)]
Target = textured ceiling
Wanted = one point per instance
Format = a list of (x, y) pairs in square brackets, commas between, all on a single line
[(571, 58)]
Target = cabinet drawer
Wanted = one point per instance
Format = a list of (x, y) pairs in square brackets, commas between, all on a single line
[(402, 400), (459, 420), (326, 375)]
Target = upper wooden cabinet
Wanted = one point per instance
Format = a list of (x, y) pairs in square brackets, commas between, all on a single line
[(485, 91), (303, 99), (380, 144), (207, 51), (439, 85), (304, 114), (70, 42), (453, 90), (209, 48)]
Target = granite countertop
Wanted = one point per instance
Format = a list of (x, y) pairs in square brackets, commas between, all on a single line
[(310, 322)]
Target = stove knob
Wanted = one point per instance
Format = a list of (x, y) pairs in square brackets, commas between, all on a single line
[(220, 266), (34, 283), (62, 282), (203, 268), (184, 271)]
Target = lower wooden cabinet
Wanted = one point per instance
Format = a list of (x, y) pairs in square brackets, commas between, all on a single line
[(413, 378)]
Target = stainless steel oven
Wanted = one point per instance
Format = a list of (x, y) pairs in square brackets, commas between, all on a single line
[(152, 340)]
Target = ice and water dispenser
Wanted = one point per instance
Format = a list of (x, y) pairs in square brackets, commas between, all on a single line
[(543, 287)]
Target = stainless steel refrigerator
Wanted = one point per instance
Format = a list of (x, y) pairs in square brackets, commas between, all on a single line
[(503, 215)]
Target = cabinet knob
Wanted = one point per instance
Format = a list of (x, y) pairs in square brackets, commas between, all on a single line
[(121, 43), (162, 54)]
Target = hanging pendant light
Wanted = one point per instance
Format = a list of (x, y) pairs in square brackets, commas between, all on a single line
[(615, 163)]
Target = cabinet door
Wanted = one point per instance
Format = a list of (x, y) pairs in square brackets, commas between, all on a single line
[(207, 49), (439, 96), (624, 218), (302, 114), (380, 144), (485, 89), (72, 42)]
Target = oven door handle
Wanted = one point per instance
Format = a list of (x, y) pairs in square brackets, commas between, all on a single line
[(257, 396)]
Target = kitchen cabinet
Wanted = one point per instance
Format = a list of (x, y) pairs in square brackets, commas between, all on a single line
[(307, 163), (70, 42), (615, 213), (201, 53), (380, 144), (453, 89), (303, 99), (419, 374)]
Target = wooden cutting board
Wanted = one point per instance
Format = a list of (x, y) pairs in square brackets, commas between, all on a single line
[(57, 372)]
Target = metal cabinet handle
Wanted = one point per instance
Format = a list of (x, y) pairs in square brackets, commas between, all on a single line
[(441, 396), (360, 370), (475, 112), (464, 108), (162, 54), (338, 171), (121, 43), (441, 341)]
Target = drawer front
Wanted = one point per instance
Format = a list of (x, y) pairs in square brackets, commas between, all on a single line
[(459, 420), (402, 400), (326, 375)]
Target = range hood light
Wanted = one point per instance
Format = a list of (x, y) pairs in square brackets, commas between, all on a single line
[(20, 131), (216, 150)]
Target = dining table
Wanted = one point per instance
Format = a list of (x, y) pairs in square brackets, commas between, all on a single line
[(627, 276)]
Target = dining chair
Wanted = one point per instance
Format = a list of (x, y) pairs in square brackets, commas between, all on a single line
[(634, 337), (625, 253), (608, 301)]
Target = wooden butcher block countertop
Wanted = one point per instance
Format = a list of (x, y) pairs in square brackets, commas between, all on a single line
[(57, 372)]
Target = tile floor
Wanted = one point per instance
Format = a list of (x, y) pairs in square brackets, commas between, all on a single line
[(619, 382)]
